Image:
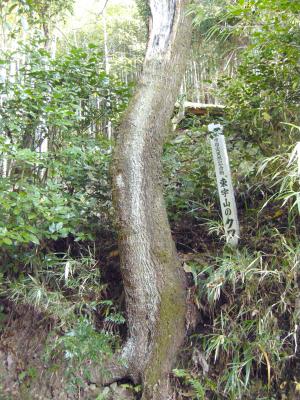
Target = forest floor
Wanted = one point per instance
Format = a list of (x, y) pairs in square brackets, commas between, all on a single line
[(26, 372)]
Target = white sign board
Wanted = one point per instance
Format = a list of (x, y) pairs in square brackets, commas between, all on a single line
[(295, 156), (225, 188)]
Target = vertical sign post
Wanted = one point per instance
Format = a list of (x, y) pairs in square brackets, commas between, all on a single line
[(225, 188), (295, 156)]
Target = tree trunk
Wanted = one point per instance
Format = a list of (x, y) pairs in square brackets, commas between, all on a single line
[(153, 280)]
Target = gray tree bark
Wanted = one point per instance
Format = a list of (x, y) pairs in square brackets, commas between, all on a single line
[(153, 280)]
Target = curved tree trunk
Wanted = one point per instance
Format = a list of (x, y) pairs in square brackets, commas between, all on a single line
[(153, 280)]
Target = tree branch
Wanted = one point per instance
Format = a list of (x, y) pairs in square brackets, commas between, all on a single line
[(103, 9)]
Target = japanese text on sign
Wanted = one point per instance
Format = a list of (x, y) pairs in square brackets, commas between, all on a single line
[(225, 188)]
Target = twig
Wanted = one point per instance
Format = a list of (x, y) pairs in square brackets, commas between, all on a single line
[(102, 11)]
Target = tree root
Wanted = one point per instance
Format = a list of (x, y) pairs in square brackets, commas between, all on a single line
[(112, 370)]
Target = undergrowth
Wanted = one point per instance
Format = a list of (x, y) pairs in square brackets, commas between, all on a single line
[(57, 228)]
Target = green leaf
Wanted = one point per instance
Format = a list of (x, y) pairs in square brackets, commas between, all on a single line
[(267, 117), (7, 241)]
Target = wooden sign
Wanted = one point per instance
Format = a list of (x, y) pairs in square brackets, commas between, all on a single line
[(225, 188)]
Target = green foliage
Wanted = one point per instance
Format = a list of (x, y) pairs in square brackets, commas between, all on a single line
[(30, 373), (265, 91), (65, 192), (199, 391), (189, 185), (56, 195), (82, 346), (56, 206), (83, 342), (18, 14), (61, 287), (144, 10), (283, 171), (70, 292), (126, 38), (55, 190), (57, 98), (211, 19), (252, 335)]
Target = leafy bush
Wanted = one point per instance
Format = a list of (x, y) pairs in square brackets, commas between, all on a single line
[(58, 98), (249, 341), (189, 178), (82, 348), (53, 196), (63, 193), (266, 89)]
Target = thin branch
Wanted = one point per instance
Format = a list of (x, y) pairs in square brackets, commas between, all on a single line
[(104, 7)]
